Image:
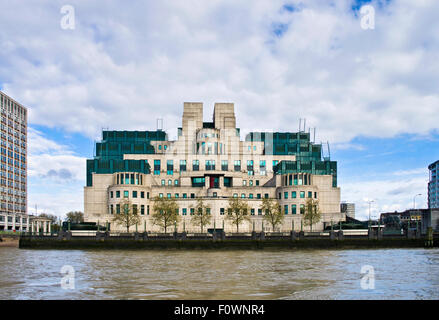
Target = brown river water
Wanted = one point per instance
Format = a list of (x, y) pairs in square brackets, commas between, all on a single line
[(228, 274)]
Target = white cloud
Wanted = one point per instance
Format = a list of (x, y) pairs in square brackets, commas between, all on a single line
[(124, 66)]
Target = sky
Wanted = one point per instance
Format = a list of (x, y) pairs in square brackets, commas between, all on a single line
[(371, 93)]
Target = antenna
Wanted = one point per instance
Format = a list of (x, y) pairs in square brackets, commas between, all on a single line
[(159, 124), (304, 124), (314, 140), (329, 151), (300, 124)]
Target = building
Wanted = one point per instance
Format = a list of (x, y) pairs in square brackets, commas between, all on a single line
[(210, 161), (13, 173), (25, 223), (348, 209), (433, 185), (423, 218)]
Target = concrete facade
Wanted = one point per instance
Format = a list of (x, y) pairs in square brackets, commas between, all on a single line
[(210, 161)]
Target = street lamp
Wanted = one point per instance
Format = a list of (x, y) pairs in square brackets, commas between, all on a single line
[(370, 201), (414, 200)]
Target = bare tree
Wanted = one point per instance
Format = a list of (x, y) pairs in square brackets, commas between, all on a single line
[(312, 212), (126, 217), (273, 213), (165, 212), (75, 216), (202, 216), (237, 212)]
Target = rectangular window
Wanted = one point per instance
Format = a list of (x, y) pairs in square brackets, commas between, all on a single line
[(302, 194), (257, 182), (309, 194), (227, 182), (243, 195), (196, 165), (237, 165), (170, 167), (111, 194), (169, 196), (259, 212), (235, 195), (250, 183), (184, 195), (132, 178), (134, 208), (142, 209), (192, 211), (126, 194), (295, 179), (275, 162), (266, 196), (111, 209), (176, 182), (118, 208), (163, 182), (157, 167), (160, 195), (286, 209), (293, 194), (142, 194), (258, 196), (127, 178), (224, 165), (134, 194), (294, 209), (182, 165), (244, 182), (117, 194), (176, 195), (250, 196), (302, 209), (252, 212), (210, 165), (198, 181), (285, 195), (192, 195), (147, 210), (315, 195), (169, 182), (222, 211)]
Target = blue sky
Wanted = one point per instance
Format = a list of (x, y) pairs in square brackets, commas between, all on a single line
[(371, 93)]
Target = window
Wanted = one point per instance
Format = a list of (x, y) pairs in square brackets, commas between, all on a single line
[(210, 165), (111, 209), (250, 183), (111, 194), (285, 195), (235, 195), (222, 211), (169, 182), (160, 147), (309, 194), (134, 194), (192, 195), (117, 208), (302, 209), (293, 209), (250, 196), (127, 178), (132, 178), (244, 182), (227, 182), (196, 165), (252, 212), (165, 147), (192, 211), (262, 168), (257, 182), (280, 195), (157, 167), (169, 196), (286, 209), (266, 196), (147, 195), (198, 181), (134, 208), (224, 165), (243, 195), (215, 195), (302, 194), (176, 195), (259, 212), (184, 195), (142, 194), (184, 211), (142, 209), (126, 194), (160, 195), (258, 196), (315, 195), (170, 167), (295, 179), (163, 182), (250, 167), (117, 194), (293, 194), (275, 162), (237, 165), (182, 165), (176, 182), (147, 210)]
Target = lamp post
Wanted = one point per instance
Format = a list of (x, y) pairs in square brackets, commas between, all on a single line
[(414, 200), (370, 201)]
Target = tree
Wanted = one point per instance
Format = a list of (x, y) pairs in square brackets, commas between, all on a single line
[(202, 215), (237, 212), (165, 212), (127, 217), (312, 213), (273, 212), (75, 216)]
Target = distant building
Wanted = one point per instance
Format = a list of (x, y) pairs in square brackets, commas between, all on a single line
[(433, 186), (348, 209), (425, 217), (13, 172), (209, 161)]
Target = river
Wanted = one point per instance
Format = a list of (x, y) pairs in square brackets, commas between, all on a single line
[(227, 274)]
